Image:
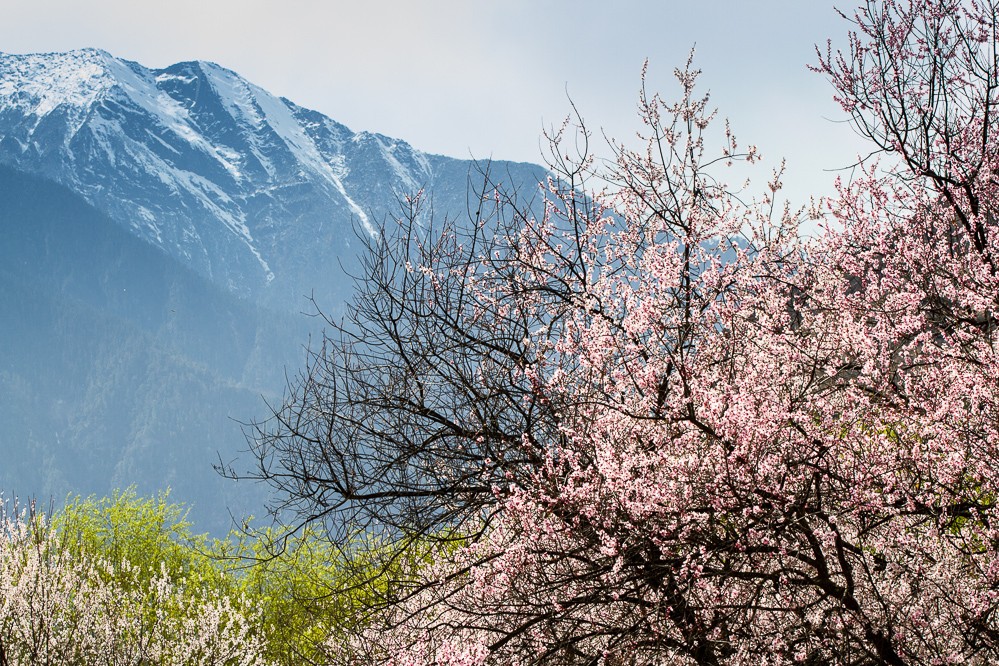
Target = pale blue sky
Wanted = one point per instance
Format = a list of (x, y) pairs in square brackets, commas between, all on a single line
[(462, 77)]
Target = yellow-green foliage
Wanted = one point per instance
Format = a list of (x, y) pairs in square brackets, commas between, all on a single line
[(119, 580), (298, 586), (151, 534), (305, 595), (313, 595)]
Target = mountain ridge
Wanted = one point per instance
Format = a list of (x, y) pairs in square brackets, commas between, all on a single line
[(161, 232), (242, 185)]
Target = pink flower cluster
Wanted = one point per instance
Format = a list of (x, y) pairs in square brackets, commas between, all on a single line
[(764, 450)]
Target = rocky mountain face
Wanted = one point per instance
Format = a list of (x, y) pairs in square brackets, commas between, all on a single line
[(159, 231), (248, 189)]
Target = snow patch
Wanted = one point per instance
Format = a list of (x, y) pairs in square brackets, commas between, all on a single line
[(259, 106), (164, 77)]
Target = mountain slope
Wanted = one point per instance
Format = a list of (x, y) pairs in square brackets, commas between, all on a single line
[(120, 365), (249, 189), (160, 230)]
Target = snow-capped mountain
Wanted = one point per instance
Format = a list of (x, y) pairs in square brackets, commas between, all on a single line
[(249, 189), (159, 229)]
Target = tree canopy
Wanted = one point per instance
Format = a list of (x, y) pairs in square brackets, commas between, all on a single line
[(648, 422)]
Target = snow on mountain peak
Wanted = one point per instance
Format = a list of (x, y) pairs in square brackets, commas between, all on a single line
[(203, 145), (41, 82), (210, 167)]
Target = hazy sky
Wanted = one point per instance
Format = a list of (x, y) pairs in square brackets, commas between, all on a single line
[(463, 77)]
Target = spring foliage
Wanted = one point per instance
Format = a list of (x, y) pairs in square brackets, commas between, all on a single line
[(110, 582), (124, 580)]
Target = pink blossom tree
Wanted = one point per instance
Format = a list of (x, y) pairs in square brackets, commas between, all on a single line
[(651, 425)]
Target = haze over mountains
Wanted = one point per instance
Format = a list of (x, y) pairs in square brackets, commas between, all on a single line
[(159, 233)]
